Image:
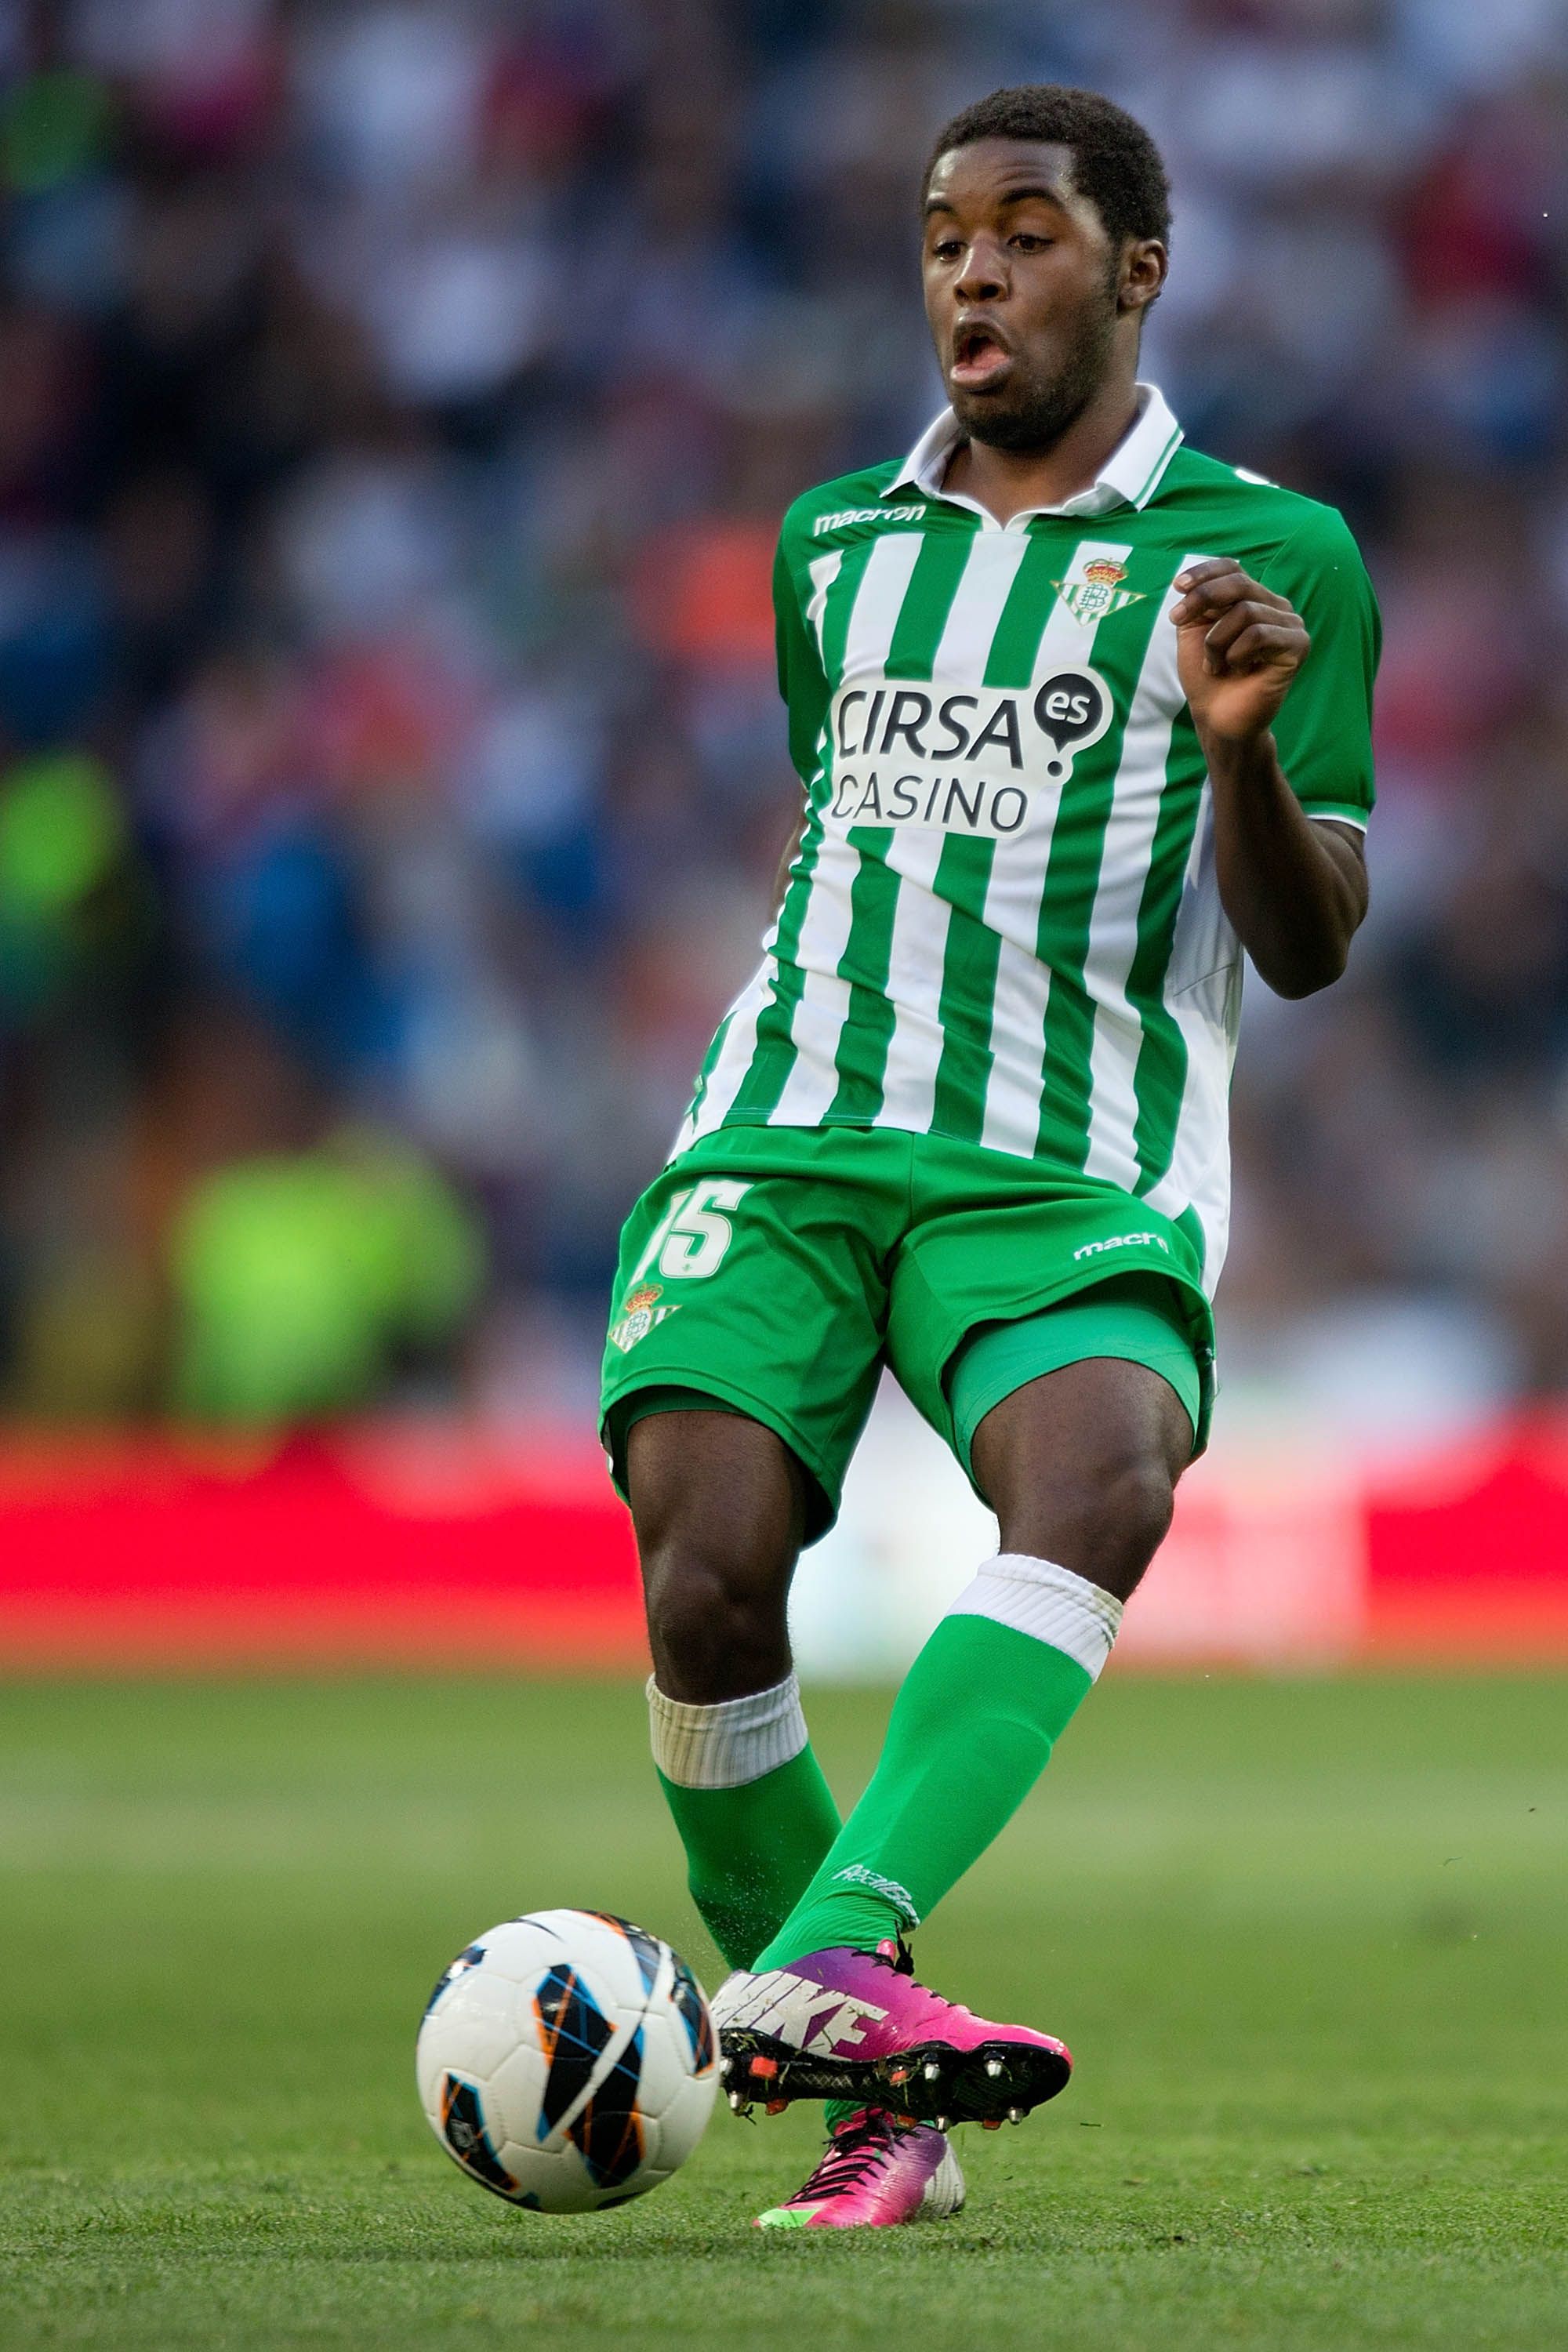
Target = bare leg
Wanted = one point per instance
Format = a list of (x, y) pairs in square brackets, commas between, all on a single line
[(1080, 1468), (720, 1507)]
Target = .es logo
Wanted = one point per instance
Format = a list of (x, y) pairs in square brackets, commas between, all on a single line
[(909, 755), (1074, 708)]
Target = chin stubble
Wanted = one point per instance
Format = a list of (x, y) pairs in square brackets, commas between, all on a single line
[(1042, 413)]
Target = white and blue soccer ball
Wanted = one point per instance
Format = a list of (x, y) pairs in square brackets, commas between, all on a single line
[(567, 2060)]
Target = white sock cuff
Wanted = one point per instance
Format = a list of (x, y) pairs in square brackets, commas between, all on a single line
[(1036, 1597), (726, 1744)]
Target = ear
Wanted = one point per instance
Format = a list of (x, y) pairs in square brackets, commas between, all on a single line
[(1144, 263)]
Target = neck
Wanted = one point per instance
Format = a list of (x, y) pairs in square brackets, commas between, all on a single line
[(1005, 481)]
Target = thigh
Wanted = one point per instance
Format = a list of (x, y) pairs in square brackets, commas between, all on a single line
[(764, 1293), (720, 1483), (1080, 1466), (1136, 1319), (999, 1243)]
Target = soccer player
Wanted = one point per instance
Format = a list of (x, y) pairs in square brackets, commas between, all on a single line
[(1080, 715)]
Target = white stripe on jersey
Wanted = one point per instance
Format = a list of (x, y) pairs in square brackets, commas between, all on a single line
[(824, 572), (1113, 925), (1202, 984), (729, 1072), (734, 1055), (920, 919), (823, 1004), (1013, 1105)]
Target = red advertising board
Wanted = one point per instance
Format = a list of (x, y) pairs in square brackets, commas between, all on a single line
[(430, 1545)]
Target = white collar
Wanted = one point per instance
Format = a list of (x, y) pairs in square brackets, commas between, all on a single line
[(1129, 477)]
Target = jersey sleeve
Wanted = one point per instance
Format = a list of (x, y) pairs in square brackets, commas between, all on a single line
[(1323, 730), (802, 679)]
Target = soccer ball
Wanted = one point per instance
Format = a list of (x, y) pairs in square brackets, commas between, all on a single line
[(567, 2061)]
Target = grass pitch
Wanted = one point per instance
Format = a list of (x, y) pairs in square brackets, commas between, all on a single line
[(1309, 1941)]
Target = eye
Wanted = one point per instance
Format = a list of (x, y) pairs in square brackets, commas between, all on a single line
[(1029, 240), (946, 248)]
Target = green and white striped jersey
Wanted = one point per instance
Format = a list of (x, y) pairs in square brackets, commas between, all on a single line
[(1003, 923)]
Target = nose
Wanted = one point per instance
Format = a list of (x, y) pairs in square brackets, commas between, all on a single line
[(984, 277)]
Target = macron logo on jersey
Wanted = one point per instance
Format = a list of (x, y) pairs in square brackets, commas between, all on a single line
[(846, 515)]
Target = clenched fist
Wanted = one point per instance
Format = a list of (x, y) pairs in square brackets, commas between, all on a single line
[(1239, 645)]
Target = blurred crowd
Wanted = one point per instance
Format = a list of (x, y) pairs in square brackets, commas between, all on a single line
[(397, 402)]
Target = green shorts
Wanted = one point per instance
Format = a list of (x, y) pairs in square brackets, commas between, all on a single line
[(773, 1271)]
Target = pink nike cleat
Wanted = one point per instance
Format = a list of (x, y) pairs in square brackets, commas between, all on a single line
[(843, 2025), (877, 2172)]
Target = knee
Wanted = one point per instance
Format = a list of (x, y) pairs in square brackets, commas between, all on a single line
[(1104, 1519), (719, 1505), (716, 1618)]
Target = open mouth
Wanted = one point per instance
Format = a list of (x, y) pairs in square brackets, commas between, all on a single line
[(980, 357)]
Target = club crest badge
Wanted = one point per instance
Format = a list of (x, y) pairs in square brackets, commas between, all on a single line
[(1099, 592), (640, 1311)]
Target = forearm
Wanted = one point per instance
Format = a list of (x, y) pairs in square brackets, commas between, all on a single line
[(1295, 891)]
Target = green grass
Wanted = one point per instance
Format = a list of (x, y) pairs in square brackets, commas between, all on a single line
[(1309, 1941)]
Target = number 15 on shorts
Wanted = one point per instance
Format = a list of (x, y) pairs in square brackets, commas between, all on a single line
[(689, 1240)]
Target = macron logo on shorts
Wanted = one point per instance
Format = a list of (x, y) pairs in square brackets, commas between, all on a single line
[(1124, 1241)]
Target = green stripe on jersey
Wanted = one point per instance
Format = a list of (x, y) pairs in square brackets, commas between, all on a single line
[(1002, 924), (963, 877), (861, 1056), (1163, 1055), (776, 1052), (1068, 900)]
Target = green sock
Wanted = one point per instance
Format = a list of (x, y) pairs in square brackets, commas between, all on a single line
[(971, 1732), (752, 1847), (751, 1851), (753, 1812)]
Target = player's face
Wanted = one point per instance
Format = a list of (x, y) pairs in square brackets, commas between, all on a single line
[(1025, 291)]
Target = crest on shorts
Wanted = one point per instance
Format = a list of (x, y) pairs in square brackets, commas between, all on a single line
[(640, 1311), (1100, 591)]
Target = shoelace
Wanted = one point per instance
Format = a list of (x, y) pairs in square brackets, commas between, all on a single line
[(856, 2150), (895, 1953)]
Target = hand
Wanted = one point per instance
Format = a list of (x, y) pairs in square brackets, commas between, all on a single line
[(1239, 645)]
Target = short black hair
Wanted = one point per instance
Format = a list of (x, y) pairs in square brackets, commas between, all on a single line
[(1116, 165)]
